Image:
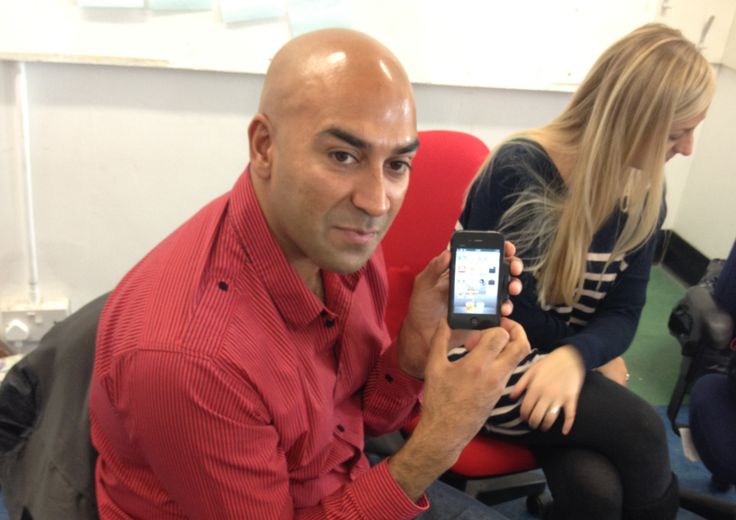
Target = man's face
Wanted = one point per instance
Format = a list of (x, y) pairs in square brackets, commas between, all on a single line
[(340, 170)]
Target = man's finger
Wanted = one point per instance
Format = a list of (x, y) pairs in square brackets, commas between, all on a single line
[(492, 340), (507, 308), (516, 266), (515, 287), (514, 328), (518, 345), (434, 270), (440, 263), (509, 249)]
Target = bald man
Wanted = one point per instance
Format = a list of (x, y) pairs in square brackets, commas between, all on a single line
[(240, 364)]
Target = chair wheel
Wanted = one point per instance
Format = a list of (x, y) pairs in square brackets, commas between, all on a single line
[(539, 505)]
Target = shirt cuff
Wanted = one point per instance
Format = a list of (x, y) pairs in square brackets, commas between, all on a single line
[(380, 497)]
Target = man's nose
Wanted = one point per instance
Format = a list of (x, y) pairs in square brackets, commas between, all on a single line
[(369, 193)]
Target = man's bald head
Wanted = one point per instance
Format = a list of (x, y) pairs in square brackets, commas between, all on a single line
[(316, 66), (331, 149)]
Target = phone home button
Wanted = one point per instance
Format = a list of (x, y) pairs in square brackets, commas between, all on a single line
[(474, 321)]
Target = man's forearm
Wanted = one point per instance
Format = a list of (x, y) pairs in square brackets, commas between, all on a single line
[(422, 459)]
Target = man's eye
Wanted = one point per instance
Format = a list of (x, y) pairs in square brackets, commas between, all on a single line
[(400, 166), (343, 157)]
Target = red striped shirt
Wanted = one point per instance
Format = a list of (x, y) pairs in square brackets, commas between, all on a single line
[(223, 388)]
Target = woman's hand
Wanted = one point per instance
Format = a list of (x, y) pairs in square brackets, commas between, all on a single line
[(552, 385)]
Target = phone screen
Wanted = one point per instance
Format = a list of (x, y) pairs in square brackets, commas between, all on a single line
[(476, 281)]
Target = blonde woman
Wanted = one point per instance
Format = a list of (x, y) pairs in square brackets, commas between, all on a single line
[(582, 199)]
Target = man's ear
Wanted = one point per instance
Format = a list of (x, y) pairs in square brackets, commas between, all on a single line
[(260, 139)]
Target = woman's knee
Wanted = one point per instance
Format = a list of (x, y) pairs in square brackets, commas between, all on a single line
[(647, 427), (584, 484), (630, 422)]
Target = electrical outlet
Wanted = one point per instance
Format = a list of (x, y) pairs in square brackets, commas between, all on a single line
[(25, 324)]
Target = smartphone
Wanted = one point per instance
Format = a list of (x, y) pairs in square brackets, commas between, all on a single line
[(478, 279)]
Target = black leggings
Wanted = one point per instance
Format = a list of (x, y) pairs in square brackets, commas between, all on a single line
[(614, 462)]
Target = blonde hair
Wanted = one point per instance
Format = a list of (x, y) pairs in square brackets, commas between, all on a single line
[(616, 128)]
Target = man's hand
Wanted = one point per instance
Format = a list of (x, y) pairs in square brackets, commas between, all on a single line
[(458, 397), (428, 308), (552, 385)]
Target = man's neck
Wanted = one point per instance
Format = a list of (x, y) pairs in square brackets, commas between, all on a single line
[(312, 276), (305, 268), (317, 287)]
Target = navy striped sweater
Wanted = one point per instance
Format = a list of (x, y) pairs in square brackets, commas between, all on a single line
[(602, 323)]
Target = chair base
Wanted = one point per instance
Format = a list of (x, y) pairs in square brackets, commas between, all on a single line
[(496, 490), (707, 506)]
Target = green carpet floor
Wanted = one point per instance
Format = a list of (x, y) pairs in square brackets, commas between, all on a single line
[(654, 357)]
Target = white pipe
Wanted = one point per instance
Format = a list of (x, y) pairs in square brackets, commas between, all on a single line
[(21, 91)]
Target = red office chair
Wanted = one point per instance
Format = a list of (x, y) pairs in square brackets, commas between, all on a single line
[(441, 173)]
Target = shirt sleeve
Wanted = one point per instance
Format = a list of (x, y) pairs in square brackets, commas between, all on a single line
[(390, 397), (374, 494), (613, 325), (208, 438)]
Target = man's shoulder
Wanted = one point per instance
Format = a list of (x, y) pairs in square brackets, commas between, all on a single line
[(159, 296)]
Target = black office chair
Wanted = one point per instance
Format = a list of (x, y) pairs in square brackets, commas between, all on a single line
[(704, 332), (46, 456)]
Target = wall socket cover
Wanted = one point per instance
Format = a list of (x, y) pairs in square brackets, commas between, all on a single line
[(22, 324)]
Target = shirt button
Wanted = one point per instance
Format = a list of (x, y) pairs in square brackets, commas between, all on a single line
[(340, 428), (389, 378), (329, 323)]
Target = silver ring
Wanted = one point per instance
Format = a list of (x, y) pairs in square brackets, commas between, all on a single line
[(628, 376), (554, 410)]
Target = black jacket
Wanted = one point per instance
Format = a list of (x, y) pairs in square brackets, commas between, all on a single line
[(46, 457)]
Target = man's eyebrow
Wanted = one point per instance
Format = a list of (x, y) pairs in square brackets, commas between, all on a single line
[(347, 137), (362, 144), (411, 147)]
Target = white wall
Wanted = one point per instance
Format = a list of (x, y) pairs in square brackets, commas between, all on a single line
[(706, 215), (438, 42), (13, 274), (706, 197), (120, 157), (123, 155), (729, 51)]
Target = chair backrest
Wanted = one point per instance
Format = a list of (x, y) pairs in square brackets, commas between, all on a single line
[(442, 170), (441, 174)]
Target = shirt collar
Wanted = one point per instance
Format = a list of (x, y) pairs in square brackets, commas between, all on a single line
[(291, 296)]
